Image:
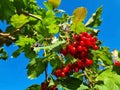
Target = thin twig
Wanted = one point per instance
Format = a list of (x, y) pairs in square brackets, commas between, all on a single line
[(46, 73), (86, 75), (29, 14)]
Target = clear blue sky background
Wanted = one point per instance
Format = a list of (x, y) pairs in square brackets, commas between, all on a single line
[(13, 71)]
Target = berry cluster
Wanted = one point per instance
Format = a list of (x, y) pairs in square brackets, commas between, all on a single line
[(44, 86), (72, 68), (79, 48)]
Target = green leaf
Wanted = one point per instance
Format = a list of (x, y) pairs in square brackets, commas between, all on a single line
[(78, 28), (34, 87), (51, 83), (102, 54), (48, 5), (101, 87), (83, 87), (111, 79), (19, 4), (50, 47), (16, 53), (29, 53), (116, 69), (35, 68), (3, 54), (95, 20), (70, 83), (18, 20), (70, 59), (50, 22), (55, 62), (22, 41), (53, 29), (7, 9)]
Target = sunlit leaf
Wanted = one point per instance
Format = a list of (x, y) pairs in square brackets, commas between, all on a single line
[(54, 3), (95, 20), (18, 20), (110, 79), (24, 41), (78, 28)]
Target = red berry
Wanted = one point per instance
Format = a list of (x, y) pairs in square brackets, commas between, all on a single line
[(83, 38), (92, 39), (76, 37), (82, 43), (62, 74), (88, 62), (76, 69), (116, 63), (95, 39), (85, 33), (95, 47), (44, 86), (57, 73), (75, 44), (66, 69), (79, 48)]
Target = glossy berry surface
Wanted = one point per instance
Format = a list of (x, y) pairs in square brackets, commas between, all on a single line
[(79, 48)]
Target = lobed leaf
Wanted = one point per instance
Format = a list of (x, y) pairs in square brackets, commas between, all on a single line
[(110, 79), (50, 47), (35, 68), (18, 21), (7, 9), (95, 20), (22, 41), (78, 28), (79, 15), (70, 83)]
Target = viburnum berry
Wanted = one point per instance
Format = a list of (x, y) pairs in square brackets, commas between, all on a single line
[(117, 63), (57, 72), (79, 48), (62, 74), (44, 85), (88, 62), (66, 69), (76, 69), (95, 47)]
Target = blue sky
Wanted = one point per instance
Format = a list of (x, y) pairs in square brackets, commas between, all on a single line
[(13, 71)]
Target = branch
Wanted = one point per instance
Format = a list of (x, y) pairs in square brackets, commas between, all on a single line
[(4, 35), (29, 14)]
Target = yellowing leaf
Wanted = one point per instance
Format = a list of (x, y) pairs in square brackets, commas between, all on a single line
[(54, 3), (79, 14)]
